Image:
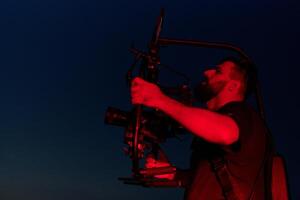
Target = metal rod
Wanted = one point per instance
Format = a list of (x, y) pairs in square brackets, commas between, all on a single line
[(168, 41)]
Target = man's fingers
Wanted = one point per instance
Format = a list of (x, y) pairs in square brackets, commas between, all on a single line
[(135, 89), (137, 100), (137, 80), (137, 96)]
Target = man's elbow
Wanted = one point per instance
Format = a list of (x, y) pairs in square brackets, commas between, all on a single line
[(231, 135)]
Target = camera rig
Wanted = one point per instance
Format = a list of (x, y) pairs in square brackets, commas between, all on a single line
[(146, 129)]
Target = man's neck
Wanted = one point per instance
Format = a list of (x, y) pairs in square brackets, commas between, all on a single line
[(219, 101)]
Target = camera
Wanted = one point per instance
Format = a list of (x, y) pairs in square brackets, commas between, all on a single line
[(155, 126)]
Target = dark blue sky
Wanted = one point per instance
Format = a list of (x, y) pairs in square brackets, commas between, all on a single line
[(63, 62)]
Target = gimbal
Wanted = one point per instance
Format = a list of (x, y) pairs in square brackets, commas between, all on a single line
[(144, 129)]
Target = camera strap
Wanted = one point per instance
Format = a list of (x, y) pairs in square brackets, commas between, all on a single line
[(222, 174)]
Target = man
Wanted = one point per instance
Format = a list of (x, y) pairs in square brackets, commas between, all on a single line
[(228, 130)]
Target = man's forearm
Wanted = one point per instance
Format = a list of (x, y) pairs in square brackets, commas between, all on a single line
[(210, 126)]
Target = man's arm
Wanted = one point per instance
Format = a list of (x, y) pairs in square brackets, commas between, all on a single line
[(211, 126)]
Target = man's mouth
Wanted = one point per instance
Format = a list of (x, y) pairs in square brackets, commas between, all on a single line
[(204, 82)]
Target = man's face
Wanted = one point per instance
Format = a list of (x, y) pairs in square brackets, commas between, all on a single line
[(215, 80)]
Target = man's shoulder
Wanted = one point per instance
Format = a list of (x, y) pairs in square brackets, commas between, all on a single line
[(236, 108), (235, 105)]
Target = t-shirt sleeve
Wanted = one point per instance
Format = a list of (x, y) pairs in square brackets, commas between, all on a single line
[(241, 114)]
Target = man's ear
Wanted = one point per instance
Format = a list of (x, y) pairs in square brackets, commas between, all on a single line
[(233, 85)]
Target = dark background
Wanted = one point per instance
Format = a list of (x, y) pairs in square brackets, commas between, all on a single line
[(63, 62)]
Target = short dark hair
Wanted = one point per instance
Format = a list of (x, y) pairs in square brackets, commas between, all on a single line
[(248, 72)]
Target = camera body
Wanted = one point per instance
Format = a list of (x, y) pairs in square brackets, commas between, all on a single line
[(155, 128)]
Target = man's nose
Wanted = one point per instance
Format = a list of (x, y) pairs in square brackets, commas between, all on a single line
[(207, 73)]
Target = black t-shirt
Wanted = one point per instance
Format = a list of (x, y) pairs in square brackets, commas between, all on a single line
[(244, 158)]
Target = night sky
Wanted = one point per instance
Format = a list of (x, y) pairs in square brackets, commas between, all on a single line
[(64, 62)]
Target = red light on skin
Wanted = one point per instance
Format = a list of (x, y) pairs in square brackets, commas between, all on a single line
[(218, 129)]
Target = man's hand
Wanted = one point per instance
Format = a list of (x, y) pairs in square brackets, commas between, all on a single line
[(145, 93)]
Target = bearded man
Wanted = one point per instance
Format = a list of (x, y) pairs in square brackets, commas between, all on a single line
[(228, 151)]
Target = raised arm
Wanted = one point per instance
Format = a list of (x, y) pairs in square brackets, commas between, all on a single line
[(211, 126)]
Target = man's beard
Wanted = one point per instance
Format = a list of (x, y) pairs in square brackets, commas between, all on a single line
[(203, 92)]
